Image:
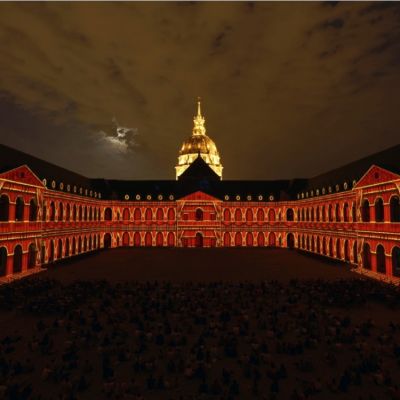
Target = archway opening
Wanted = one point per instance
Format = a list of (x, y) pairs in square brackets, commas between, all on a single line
[(396, 261), (3, 261), (199, 240), (17, 259), (366, 256), (290, 240), (380, 259), (107, 240), (32, 256)]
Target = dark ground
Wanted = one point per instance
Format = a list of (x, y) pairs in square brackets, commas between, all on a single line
[(225, 324), (200, 265)]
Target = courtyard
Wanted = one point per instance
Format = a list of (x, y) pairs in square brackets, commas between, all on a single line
[(185, 324)]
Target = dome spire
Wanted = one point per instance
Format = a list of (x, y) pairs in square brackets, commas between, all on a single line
[(199, 128)]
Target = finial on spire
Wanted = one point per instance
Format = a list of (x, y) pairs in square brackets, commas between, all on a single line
[(199, 128), (198, 106)]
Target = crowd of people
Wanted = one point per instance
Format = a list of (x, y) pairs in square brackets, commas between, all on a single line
[(162, 340)]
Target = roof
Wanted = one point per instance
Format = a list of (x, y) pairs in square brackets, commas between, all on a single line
[(352, 172), (199, 176), (199, 169)]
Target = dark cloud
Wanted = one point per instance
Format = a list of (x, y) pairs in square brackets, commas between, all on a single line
[(289, 89)]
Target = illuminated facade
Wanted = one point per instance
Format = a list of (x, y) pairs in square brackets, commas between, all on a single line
[(351, 214)]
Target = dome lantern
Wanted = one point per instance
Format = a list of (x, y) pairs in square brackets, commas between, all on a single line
[(198, 145)]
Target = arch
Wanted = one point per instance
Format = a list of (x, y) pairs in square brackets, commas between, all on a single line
[(59, 249), (125, 239), (148, 216), (136, 239), (199, 240), (148, 241), (365, 211), (302, 215), (249, 239), (80, 213), (355, 258), (307, 214), (125, 214), (227, 239), (108, 214), (379, 210), (290, 240), (323, 214), (43, 254), (345, 212), (330, 247), (171, 239), (199, 215), (396, 261), (85, 213), (353, 213), (33, 209), (238, 239), (317, 214), (249, 215), (289, 214), (67, 247), (74, 212), (260, 239), (303, 243), (260, 215), (160, 214), (338, 250), (19, 209), (346, 251), (308, 243), (318, 245), (271, 214), (85, 243), (380, 259), (32, 251), (159, 239), (107, 240), (324, 246), (312, 243), (227, 215), (272, 239), (337, 212), (171, 214), (80, 245), (17, 259), (61, 212), (395, 209), (73, 246), (90, 213), (330, 213), (137, 214), (312, 214), (51, 251), (4, 208), (238, 214), (3, 261), (366, 256), (68, 212)]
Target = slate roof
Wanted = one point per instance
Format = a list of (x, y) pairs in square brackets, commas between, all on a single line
[(200, 177)]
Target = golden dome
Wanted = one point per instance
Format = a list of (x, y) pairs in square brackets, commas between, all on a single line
[(199, 144)]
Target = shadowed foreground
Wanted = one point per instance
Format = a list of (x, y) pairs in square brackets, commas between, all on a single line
[(225, 324)]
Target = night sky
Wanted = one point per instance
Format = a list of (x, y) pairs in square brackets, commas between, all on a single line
[(288, 89)]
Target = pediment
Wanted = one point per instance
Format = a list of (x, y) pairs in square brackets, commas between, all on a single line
[(22, 174), (376, 175), (199, 195)]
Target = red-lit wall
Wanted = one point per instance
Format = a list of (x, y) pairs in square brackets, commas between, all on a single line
[(331, 225)]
